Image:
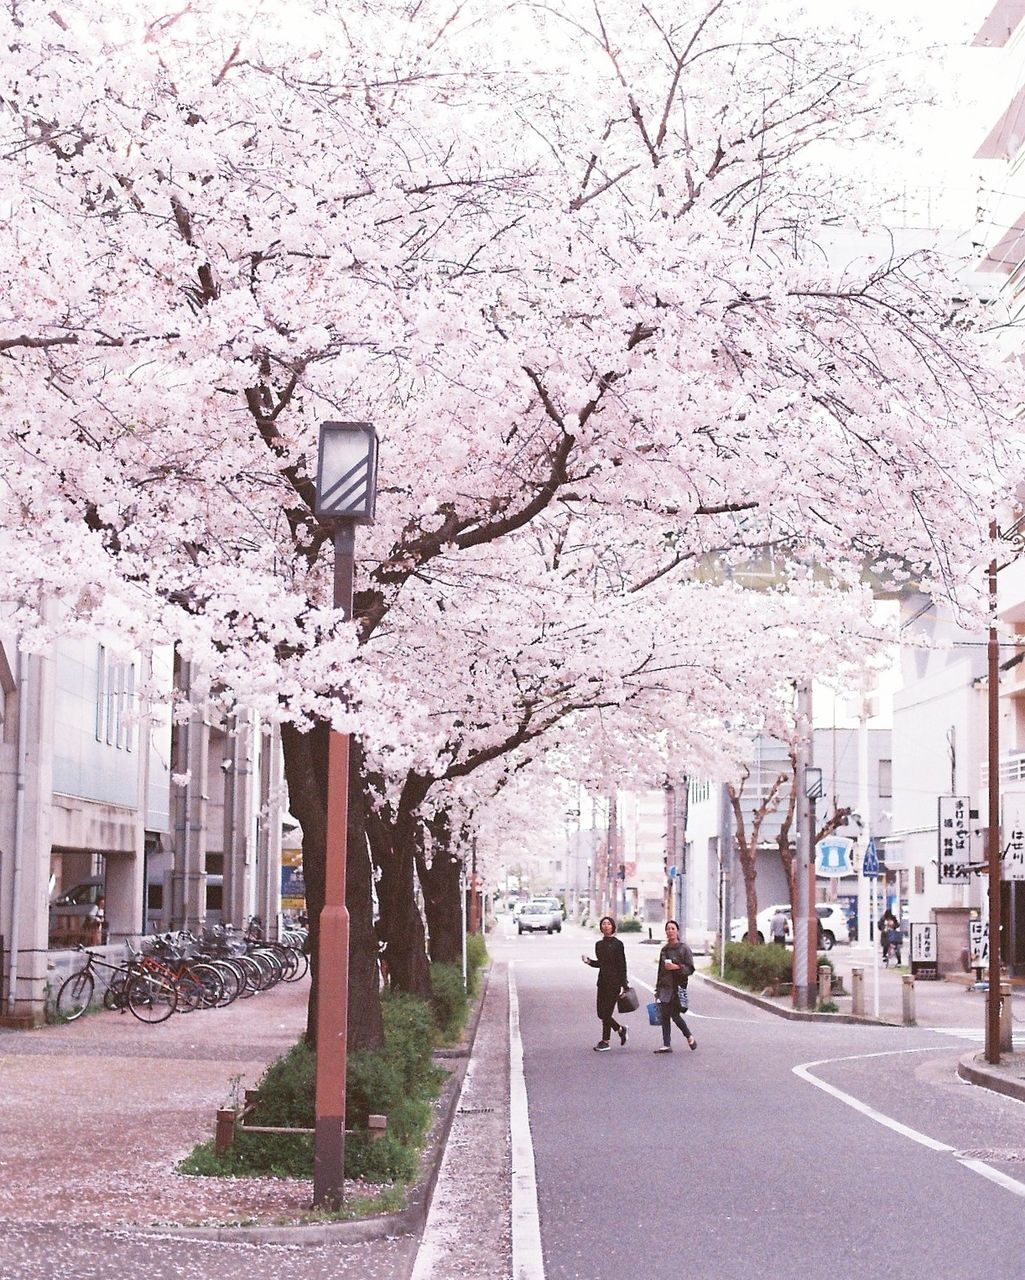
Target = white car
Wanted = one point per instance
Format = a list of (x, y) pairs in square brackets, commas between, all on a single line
[(832, 924), (541, 915)]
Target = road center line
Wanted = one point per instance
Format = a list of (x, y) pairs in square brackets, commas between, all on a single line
[(528, 1260), (803, 1072)]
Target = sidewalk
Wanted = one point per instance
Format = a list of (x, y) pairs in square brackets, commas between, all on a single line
[(98, 1113)]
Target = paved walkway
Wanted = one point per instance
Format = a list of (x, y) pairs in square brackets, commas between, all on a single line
[(96, 1114)]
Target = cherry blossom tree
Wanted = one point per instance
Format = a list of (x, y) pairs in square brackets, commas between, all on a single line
[(573, 263)]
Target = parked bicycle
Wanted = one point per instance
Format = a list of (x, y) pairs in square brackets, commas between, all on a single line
[(148, 995)]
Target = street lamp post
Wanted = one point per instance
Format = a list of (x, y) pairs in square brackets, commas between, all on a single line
[(346, 492)]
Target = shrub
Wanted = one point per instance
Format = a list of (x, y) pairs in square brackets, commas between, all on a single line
[(630, 925), (398, 1081), (476, 959), (756, 966), (449, 1002)]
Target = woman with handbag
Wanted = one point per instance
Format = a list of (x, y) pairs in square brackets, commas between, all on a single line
[(675, 965), (610, 961)]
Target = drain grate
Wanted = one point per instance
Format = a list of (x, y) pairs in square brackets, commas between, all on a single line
[(476, 1111), (1005, 1154)]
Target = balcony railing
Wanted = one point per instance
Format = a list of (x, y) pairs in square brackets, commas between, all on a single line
[(1012, 770)]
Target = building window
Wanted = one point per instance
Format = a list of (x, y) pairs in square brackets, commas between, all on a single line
[(885, 779), (115, 700)]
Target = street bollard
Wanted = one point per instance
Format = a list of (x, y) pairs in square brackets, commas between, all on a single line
[(858, 992), (224, 1135), (908, 999), (825, 983), (1006, 1045)]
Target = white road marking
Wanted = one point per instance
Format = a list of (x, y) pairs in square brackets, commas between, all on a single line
[(705, 1017), (984, 1170), (528, 1260), (994, 1175)]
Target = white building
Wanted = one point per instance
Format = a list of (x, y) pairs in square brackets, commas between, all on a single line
[(86, 793)]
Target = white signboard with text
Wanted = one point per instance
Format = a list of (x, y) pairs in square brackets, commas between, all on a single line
[(923, 943), (1012, 865), (955, 840)]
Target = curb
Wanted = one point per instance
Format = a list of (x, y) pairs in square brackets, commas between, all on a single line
[(973, 1072), (409, 1221), (794, 1015)]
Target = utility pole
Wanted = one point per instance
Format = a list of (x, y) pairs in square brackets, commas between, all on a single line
[(865, 921), (993, 834), (804, 878), (474, 925), (726, 852), (609, 869)]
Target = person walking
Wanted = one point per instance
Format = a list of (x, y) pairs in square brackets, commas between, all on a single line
[(778, 927), (610, 961), (675, 965), (887, 921)]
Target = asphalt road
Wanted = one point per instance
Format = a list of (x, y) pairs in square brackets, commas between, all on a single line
[(727, 1162)]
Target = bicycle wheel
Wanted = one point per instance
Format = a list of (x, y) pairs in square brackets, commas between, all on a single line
[(151, 998), (114, 996), (210, 982), (232, 981), (190, 993), (253, 975), (300, 967), (74, 995), (271, 965)]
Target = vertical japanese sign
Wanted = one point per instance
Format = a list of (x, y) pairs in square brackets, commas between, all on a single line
[(978, 943), (1012, 866), (955, 840)]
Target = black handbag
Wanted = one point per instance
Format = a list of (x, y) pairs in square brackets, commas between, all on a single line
[(628, 1001)]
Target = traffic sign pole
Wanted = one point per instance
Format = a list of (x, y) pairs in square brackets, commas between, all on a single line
[(871, 870)]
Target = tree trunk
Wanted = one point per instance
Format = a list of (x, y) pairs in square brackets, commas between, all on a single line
[(305, 756), (748, 847), (393, 846), (442, 891)]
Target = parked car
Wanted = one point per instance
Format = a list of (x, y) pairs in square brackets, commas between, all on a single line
[(832, 924), (76, 915), (538, 917)]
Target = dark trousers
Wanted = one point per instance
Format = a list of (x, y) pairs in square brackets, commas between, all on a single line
[(671, 1012), (606, 1009)]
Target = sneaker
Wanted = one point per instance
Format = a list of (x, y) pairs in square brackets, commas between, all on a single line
[(602, 1046), (664, 1048), (622, 1035)]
